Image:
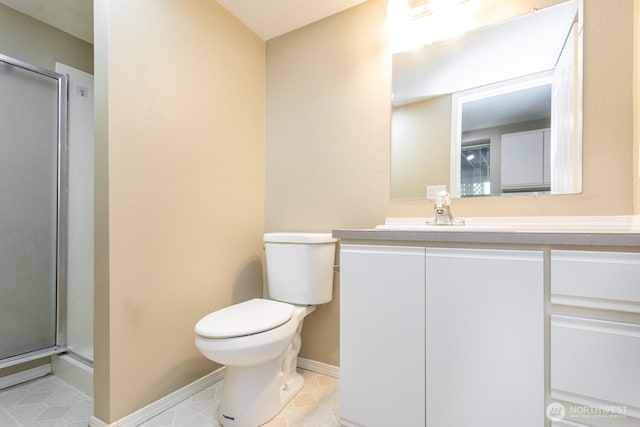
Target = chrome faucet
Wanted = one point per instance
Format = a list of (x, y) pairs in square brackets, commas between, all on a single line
[(442, 211)]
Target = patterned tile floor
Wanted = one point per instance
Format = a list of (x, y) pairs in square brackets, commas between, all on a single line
[(317, 405), (49, 402), (45, 402)]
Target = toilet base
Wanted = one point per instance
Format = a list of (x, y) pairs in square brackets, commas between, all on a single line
[(253, 395)]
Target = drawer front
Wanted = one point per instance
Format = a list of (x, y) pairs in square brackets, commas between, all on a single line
[(601, 280), (597, 360)]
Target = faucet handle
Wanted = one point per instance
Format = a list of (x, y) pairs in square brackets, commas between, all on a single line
[(443, 198), (442, 211)]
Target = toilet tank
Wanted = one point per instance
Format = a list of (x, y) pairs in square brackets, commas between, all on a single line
[(300, 267)]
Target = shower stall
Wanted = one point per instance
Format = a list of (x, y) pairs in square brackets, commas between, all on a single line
[(33, 211)]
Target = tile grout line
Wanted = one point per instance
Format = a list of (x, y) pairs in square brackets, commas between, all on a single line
[(11, 417), (69, 398), (322, 415)]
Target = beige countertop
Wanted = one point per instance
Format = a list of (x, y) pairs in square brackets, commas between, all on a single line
[(603, 231), (572, 238)]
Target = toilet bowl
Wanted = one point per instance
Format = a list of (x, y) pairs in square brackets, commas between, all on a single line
[(234, 347), (261, 374), (259, 340)]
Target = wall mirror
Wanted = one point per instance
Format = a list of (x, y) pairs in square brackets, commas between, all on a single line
[(496, 111)]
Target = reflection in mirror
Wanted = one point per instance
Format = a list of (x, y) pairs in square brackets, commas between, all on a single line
[(503, 115), (496, 111), (475, 162)]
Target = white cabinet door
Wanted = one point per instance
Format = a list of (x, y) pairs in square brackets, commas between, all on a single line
[(523, 160), (485, 338), (382, 379)]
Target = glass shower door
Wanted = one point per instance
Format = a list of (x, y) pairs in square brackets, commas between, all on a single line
[(32, 172)]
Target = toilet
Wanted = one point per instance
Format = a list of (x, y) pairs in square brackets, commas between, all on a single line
[(259, 339)]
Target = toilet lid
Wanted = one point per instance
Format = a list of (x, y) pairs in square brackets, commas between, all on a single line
[(249, 317)]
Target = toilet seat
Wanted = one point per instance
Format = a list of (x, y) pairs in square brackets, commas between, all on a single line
[(247, 318)]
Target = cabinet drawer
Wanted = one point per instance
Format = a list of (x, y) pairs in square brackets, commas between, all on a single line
[(601, 280), (596, 359)]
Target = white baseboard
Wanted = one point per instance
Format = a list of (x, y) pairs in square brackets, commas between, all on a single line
[(97, 422), (24, 376), (164, 403), (319, 367), (161, 405)]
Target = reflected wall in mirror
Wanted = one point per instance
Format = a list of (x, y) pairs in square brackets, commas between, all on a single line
[(496, 111)]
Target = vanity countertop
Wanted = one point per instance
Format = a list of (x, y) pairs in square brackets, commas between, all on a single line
[(572, 238), (618, 231)]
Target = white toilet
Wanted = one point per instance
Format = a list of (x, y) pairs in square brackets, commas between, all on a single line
[(259, 339)]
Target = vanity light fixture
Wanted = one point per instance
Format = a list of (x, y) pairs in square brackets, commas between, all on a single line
[(420, 8), (414, 23), (398, 15)]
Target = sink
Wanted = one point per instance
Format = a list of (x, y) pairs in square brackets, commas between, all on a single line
[(426, 227)]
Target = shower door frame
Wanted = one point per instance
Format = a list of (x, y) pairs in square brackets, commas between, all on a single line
[(62, 189)]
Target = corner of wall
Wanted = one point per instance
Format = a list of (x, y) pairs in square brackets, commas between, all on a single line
[(101, 380), (636, 107)]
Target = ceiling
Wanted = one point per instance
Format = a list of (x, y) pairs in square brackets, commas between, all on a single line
[(271, 18), (71, 16), (519, 106), (267, 18)]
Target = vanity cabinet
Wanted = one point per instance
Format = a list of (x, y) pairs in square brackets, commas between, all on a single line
[(525, 161), (441, 337), (595, 333)]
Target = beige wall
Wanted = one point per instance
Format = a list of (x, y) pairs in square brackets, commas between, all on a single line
[(327, 152), (179, 188), (32, 41), (636, 109), (327, 139)]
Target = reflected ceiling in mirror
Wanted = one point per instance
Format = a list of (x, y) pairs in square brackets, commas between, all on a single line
[(501, 82)]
